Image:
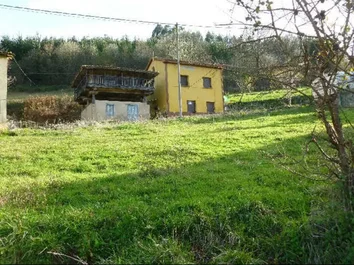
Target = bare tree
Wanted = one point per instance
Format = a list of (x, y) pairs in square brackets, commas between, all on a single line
[(325, 30)]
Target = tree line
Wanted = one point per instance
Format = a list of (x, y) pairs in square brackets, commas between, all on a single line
[(55, 61)]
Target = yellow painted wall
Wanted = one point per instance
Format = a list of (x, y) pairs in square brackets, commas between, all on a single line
[(160, 93), (195, 90), (3, 88)]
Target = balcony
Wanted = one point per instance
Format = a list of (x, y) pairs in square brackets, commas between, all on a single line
[(107, 83)]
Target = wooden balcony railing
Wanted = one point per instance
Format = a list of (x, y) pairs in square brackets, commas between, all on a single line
[(108, 81)]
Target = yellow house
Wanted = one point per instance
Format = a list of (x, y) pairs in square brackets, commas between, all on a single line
[(201, 87)]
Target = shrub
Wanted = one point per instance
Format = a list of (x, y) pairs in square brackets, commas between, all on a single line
[(15, 109), (51, 109)]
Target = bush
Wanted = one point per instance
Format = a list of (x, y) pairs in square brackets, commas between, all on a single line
[(51, 109), (15, 109)]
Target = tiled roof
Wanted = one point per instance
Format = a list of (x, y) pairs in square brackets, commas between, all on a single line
[(173, 61)]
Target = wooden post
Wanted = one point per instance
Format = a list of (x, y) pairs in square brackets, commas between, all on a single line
[(179, 75), (93, 108)]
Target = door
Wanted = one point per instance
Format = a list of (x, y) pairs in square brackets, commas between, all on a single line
[(210, 107), (133, 112), (191, 106)]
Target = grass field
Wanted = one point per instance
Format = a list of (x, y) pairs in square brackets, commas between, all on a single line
[(267, 95), (196, 190), (24, 91), (41, 91)]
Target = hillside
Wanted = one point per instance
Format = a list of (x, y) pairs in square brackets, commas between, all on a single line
[(267, 95), (200, 189)]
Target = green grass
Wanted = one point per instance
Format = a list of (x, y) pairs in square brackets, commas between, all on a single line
[(200, 189), (39, 91), (267, 95), (196, 190)]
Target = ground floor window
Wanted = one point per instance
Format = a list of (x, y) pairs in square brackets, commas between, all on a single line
[(191, 106), (210, 107), (133, 112), (110, 111)]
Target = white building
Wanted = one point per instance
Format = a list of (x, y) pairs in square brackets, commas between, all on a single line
[(4, 56)]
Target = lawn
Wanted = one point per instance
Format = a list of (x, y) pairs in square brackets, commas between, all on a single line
[(268, 95), (191, 190)]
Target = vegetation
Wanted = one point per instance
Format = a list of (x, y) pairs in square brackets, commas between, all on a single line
[(16, 99), (265, 99), (254, 186), (51, 109), (54, 61), (268, 95), (269, 99), (198, 189), (325, 48)]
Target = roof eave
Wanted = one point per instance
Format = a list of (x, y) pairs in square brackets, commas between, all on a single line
[(172, 61), (149, 63), (74, 83)]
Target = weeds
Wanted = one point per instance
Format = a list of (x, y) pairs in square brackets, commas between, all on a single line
[(51, 109)]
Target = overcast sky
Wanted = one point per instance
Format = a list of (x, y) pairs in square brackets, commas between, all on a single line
[(201, 12)]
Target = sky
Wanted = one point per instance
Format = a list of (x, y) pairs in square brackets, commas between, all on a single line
[(200, 12)]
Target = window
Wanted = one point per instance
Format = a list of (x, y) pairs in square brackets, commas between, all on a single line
[(110, 110), (191, 106), (206, 82), (184, 80), (210, 107), (133, 112)]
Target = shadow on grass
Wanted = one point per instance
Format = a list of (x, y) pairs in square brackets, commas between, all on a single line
[(239, 208)]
